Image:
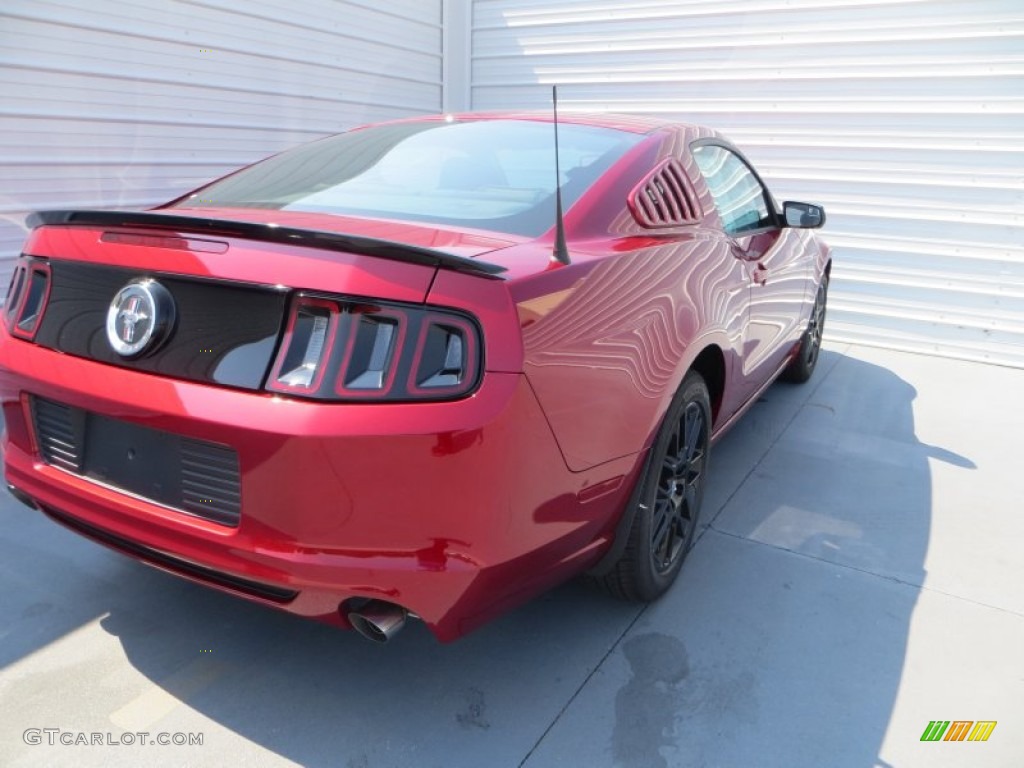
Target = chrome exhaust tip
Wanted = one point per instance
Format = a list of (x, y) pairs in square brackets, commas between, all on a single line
[(378, 620)]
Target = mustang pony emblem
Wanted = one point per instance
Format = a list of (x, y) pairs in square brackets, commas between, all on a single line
[(139, 317), (131, 315)]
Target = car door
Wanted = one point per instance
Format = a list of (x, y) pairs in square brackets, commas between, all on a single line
[(777, 268)]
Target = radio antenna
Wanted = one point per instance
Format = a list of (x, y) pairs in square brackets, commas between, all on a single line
[(561, 250)]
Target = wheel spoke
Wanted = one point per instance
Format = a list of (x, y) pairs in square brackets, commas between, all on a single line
[(662, 530), (673, 464), (690, 499), (665, 552), (663, 510), (695, 469), (694, 426), (674, 443)]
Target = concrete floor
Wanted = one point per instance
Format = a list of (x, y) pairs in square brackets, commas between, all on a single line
[(861, 574)]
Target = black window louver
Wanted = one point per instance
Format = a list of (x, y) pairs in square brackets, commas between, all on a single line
[(665, 198)]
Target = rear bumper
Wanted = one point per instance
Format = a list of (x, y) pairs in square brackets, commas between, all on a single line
[(456, 511)]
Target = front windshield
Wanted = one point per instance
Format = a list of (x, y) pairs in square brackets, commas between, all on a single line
[(489, 174)]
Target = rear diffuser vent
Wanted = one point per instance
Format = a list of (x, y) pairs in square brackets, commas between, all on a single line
[(210, 481), (59, 430), (665, 198)]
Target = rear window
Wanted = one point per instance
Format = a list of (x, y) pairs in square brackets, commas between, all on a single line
[(492, 174)]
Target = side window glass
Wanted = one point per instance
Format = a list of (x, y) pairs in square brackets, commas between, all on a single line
[(739, 197)]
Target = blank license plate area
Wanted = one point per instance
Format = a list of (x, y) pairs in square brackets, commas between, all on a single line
[(135, 459)]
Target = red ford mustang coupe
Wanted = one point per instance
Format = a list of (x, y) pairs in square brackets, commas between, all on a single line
[(378, 376)]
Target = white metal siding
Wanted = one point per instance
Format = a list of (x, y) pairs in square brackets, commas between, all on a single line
[(122, 103), (905, 119)]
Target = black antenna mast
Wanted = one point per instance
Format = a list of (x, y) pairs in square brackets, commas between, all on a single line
[(561, 250)]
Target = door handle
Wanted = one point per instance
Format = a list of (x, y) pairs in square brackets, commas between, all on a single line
[(760, 274)]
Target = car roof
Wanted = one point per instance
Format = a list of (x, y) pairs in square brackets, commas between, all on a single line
[(630, 123)]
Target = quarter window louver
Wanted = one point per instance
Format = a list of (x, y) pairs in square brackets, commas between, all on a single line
[(664, 198)]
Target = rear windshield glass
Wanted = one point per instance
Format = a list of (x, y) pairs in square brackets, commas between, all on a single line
[(492, 174)]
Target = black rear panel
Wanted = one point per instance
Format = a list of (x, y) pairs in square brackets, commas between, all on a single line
[(225, 334), (191, 475)]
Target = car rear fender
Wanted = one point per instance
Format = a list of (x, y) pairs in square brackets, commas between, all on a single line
[(490, 302)]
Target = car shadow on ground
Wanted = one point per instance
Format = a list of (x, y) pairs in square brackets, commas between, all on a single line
[(784, 637)]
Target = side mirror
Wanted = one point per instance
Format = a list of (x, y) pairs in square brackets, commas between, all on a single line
[(803, 215)]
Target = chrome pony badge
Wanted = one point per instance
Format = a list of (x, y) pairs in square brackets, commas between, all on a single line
[(139, 317)]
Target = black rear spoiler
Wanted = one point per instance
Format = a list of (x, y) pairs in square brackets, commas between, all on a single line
[(248, 230)]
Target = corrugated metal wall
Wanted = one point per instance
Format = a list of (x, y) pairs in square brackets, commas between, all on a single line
[(906, 119), (121, 103)]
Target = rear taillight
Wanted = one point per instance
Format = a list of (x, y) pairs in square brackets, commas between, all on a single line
[(26, 297), (337, 349)]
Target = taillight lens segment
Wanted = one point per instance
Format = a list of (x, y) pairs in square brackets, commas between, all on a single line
[(336, 349), (26, 297), (312, 325), (446, 343)]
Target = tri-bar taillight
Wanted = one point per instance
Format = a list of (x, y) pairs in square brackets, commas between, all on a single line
[(26, 297), (348, 349), (333, 348)]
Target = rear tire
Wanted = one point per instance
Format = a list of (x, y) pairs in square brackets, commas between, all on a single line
[(802, 366), (669, 499)]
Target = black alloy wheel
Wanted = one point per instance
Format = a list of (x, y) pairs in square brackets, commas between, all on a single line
[(668, 498), (802, 366), (679, 488)]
